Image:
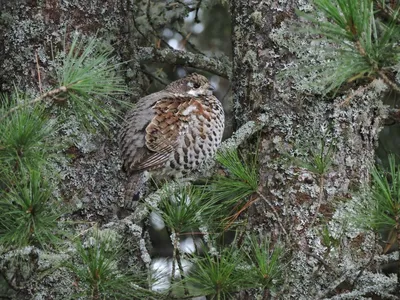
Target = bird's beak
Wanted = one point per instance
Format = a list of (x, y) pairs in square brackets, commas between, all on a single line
[(211, 88)]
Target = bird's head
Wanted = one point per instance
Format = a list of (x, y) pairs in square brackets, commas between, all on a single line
[(193, 84)]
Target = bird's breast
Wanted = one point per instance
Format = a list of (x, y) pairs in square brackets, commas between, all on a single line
[(199, 138)]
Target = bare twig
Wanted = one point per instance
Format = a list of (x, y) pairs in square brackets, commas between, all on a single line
[(393, 117), (38, 72), (320, 196), (196, 18), (278, 219), (189, 5), (175, 244), (48, 94), (358, 92), (237, 214), (176, 259), (138, 30), (389, 82), (323, 294), (185, 40), (158, 79), (357, 295), (180, 267), (320, 260)]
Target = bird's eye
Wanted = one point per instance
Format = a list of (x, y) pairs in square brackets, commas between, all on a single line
[(196, 85)]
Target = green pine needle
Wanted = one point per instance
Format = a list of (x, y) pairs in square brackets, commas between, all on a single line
[(217, 275), (89, 75), (99, 273), (189, 208), (28, 214), (318, 158), (358, 45), (24, 137), (381, 210), (241, 182), (184, 209), (266, 271), (254, 265)]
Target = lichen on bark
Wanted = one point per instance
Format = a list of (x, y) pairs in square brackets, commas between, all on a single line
[(297, 114)]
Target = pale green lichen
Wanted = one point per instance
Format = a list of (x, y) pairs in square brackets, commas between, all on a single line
[(257, 17)]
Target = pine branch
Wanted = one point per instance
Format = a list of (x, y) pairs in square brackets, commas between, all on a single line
[(389, 82), (362, 46), (48, 94)]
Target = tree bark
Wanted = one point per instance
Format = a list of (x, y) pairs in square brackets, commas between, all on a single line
[(295, 123)]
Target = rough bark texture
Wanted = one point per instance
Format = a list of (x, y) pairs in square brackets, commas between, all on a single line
[(296, 124), (291, 123), (92, 181)]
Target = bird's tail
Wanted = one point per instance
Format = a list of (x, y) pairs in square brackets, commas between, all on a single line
[(135, 189)]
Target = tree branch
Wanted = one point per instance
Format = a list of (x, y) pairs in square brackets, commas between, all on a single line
[(393, 117), (389, 82), (52, 93), (221, 67), (245, 132)]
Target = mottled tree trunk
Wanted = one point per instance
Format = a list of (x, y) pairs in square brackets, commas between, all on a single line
[(305, 202), (31, 34)]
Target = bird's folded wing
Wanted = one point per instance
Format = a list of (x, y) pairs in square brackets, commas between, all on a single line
[(164, 130)]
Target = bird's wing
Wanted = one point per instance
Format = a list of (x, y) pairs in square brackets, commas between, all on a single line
[(151, 131), (132, 141), (163, 132)]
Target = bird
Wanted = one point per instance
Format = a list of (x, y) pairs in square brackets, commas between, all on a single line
[(170, 133)]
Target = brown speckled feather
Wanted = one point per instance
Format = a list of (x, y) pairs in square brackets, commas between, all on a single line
[(132, 135), (161, 135)]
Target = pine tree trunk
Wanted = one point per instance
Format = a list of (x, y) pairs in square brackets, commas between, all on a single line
[(295, 123)]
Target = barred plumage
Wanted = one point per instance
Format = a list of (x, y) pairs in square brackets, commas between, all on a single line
[(171, 132)]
